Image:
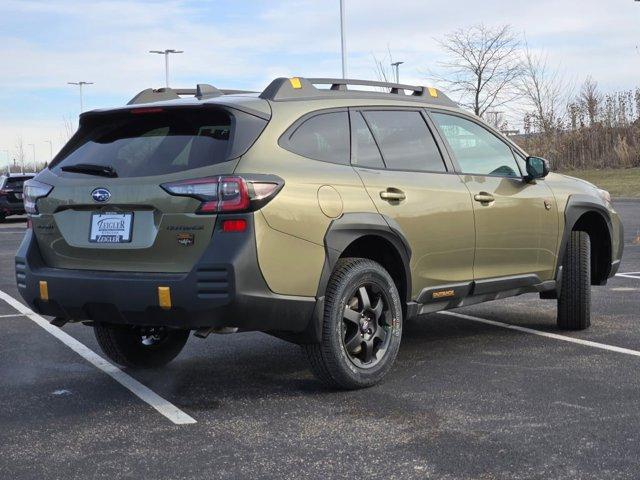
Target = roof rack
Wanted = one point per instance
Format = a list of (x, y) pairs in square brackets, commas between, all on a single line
[(298, 88), (201, 91)]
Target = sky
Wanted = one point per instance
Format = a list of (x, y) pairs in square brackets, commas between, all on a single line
[(246, 44)]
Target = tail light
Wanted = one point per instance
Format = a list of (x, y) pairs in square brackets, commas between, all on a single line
[(34, 190), (224, 194)]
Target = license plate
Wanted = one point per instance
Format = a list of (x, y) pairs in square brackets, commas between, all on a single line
[(111, 227)]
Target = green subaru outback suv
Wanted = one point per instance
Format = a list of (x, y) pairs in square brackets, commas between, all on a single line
[(314, 211)]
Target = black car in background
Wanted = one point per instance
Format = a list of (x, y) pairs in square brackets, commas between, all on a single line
[(11, 202)]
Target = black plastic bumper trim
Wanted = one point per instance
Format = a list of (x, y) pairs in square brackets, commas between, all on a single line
[(224, 289)]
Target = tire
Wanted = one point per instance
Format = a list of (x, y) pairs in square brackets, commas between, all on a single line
[(574, 301), (137, 348), (361, 331)]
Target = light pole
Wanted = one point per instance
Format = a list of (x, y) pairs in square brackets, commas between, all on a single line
[(396, 66), (343, 39), (80, 85), (33, 148), (166, 61), (50, 149), (496, 116)]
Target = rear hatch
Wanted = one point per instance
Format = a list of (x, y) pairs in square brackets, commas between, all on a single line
[(12, 188), (108, 210)]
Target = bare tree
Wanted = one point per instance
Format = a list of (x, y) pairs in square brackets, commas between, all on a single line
[(382, 67), (20, 155), (544, 91), (611, 141), (590, 99), (483, 66), (69, 129)]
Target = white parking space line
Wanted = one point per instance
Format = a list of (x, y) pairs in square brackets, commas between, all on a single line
[(627, 275), (147, 395), (555, 336)]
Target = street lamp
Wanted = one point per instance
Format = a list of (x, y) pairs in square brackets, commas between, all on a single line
[(166, 61), (396, 66), (80, 85), (343, 39), (496, 116)]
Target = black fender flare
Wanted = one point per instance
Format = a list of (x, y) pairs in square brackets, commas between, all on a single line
[(349, 227), (578, 205), (340, 233)]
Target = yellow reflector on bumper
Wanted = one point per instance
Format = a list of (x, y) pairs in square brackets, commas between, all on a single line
[(44, 290), (295, 82), (433, 92), (164, 297)]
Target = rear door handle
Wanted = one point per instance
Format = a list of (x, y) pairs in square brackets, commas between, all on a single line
[(392, 194), (484, 197)]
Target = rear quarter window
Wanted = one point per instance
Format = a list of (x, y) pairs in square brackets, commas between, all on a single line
[(323, 136)]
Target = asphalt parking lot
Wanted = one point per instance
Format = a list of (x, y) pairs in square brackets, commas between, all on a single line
[(466, 399)]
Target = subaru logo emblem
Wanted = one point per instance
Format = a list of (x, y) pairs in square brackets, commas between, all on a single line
[(101, 195)]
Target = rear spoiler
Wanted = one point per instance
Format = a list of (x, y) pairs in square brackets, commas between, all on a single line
[(201, 91)]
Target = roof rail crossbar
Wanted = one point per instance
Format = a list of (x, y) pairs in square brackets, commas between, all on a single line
[(299, 88), (342, 83), (151, 95)]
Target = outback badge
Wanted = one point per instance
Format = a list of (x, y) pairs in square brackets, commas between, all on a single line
[(186, 239)]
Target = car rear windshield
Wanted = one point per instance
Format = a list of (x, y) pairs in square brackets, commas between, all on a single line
[(159, 142), (15, 183)]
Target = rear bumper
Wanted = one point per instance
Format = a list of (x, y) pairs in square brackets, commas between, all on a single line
[(224, 289)]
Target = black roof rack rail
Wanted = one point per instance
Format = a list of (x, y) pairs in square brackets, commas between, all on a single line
[(201, 91), (299, 88)]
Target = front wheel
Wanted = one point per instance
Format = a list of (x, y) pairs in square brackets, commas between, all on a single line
[(362, 326), (574, 301), (140, 347)]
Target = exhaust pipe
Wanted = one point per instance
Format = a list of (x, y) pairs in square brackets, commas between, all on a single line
[(205, 332), (59, 322)]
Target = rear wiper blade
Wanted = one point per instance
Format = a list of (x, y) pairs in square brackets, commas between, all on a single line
[(91, 169)]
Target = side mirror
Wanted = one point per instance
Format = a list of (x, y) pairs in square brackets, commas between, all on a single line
[(536, 168)]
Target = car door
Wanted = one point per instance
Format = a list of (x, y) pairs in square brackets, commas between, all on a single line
[(406, 176), (516, 221)]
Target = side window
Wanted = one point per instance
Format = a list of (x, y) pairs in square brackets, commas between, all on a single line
[(322, 137), (477, 150), (405, 140), (365, 151), (521, 163)]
